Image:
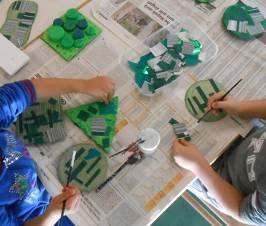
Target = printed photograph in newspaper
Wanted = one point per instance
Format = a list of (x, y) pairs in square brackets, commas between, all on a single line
[(135, 21)]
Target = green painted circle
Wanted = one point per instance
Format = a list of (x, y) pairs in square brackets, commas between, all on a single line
[(56, 33), (238, 12), (90, 167), (207, 88), (79, 43), (67, 42), (70, 25), (72, 14)]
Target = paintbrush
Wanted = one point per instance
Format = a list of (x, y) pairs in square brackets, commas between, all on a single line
[(222, 98), (139, 141), (67, 184)]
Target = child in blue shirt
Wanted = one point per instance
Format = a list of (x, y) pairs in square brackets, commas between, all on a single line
[(24, 200)]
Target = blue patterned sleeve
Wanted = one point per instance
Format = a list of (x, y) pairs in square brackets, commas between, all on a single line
[(7, 217), (15, 98)]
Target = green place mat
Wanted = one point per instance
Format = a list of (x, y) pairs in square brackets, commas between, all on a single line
[(240, 12), (62, 36), (19, 20), (42, 123), (84, 116), (182, 213), (90, 168), (197, 96)]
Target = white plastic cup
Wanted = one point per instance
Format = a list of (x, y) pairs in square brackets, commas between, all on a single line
[(152, 140)]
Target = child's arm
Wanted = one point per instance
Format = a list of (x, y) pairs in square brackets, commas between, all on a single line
[(102, 87), (250, 109), (53, 213), (188, 156), (17, 96)]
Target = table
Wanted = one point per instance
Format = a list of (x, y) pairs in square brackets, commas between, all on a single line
[(129, 194)]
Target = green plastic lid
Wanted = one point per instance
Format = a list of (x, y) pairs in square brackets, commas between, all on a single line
[(197, 96), (72, 14), (70, 25), (79, 43), (56, 33), (67, 42)]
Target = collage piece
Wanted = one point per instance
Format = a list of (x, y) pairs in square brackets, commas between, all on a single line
[(97, 121), (243, 21), (71, 33), (42, 123), (19, 20), (180, 130), (197, 96), (90, 167), (163, 64)]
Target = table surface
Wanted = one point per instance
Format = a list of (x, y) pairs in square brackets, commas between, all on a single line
[(57, 8)]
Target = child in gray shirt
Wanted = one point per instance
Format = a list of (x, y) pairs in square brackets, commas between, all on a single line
[(236, 183)]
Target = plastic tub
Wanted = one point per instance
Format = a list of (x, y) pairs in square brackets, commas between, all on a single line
[(209, 49)]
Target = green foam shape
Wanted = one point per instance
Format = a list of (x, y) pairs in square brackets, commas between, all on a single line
[(33, 124), (191, 60), (133, 66), (70, 52), (209, 87), (239, 12), (90, 167), (108, 111), (263, 23)]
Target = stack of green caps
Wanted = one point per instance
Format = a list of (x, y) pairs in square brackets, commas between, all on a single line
[(197, 97), (90, 167), (164, 63), (42, 123), (71, 33), (243, 21), (97, 121)]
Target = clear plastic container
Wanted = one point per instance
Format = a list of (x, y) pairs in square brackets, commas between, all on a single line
[(134, 53)]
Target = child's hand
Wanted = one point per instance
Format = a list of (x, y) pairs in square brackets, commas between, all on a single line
[(101, 87), (229, 104), (72, 197), (188, 156)]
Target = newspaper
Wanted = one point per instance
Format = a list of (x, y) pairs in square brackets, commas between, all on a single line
[(141, 192)]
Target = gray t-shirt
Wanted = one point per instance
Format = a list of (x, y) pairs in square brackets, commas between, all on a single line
[(245, 168)]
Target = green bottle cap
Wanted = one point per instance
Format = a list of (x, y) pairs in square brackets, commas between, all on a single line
[(70, 25), (90, 31), (79, 43), (72, 14), (56, 33), (67, 42)]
